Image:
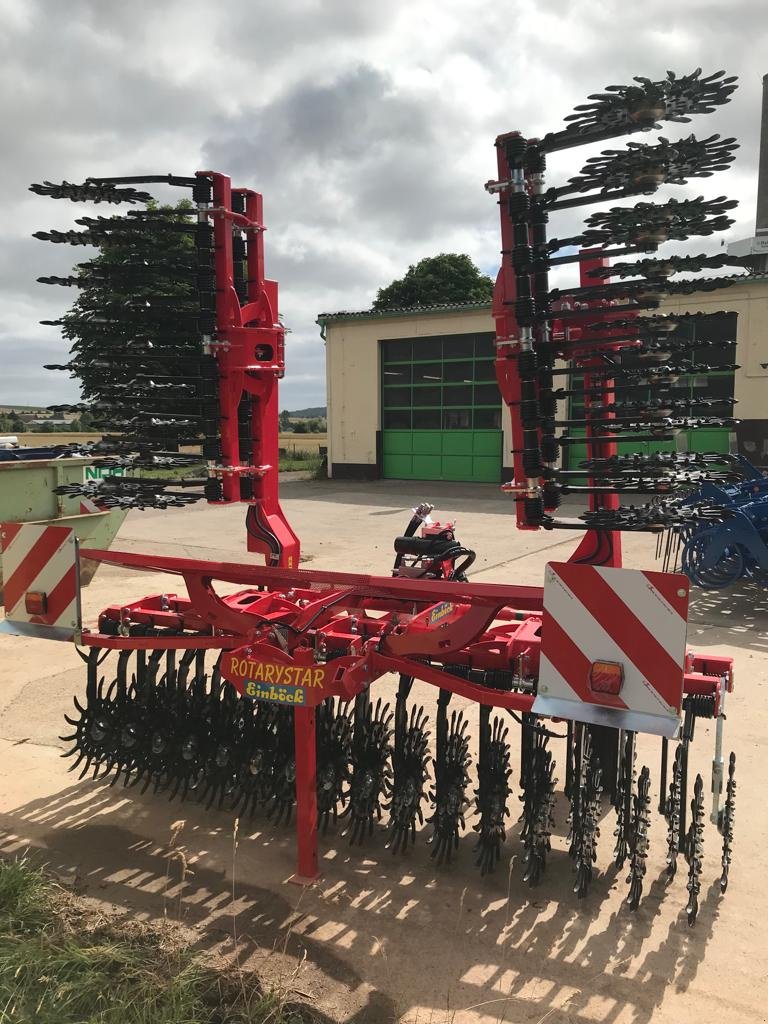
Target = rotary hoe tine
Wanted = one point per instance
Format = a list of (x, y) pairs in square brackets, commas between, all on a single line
[(334, 753), (371, 782), (258, 758), (623, 801), (282, 783), (90, 191), (410, 766), (694, 850), (493, 790), (726, 823), (451, 772), (538, 798), (585, 797), (638, 838), (672, 814)]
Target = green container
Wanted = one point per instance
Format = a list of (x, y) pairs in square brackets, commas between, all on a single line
[(27, 496)]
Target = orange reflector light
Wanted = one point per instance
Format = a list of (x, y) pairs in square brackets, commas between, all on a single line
[(36, 602), (606, 677)]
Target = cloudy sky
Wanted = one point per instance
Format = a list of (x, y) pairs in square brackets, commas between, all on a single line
[(368, 127)]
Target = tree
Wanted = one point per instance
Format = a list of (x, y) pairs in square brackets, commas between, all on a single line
[(284, 421), (449, 277), (137, 294)]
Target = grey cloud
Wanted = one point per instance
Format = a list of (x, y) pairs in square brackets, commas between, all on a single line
[(368, 127)]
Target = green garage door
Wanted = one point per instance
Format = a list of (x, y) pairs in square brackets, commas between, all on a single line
[(441, 409)]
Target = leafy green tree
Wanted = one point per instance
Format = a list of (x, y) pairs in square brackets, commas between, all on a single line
[(447, 278), (301, 427), (136, 294), (285, 422)]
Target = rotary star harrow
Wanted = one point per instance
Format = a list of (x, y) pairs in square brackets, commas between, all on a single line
[(262, 701)]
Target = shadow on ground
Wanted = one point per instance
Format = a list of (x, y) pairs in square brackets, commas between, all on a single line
[(739, 614), (402, 944)]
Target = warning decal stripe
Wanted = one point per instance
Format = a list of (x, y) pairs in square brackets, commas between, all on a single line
[(10, 533), (60, 598), (622, 625), (42, 551), (647, 602), (594, 642), (570, 662), (17, 548), (635, 619)]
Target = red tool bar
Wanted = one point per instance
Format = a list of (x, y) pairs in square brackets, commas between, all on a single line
[(428, 591), (507, 330), (250, 352)]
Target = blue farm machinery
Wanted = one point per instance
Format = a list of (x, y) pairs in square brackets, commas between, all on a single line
[(728, 542)]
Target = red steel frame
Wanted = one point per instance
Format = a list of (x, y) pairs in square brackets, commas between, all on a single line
[(381, 624), (507, 347), (250, 350), (345, 630)]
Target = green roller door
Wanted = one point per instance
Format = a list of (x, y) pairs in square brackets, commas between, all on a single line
[(441, 414)]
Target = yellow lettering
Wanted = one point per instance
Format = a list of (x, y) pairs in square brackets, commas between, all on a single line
[(318, 680), (298, 696), (281, 694), (269, 673), (251, 689), (235, 663)]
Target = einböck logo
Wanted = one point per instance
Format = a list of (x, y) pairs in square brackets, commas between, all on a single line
[(278, 684), (295, 695)]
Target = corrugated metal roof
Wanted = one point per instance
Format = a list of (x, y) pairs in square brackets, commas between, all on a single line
[(469, 307), (378, 314)]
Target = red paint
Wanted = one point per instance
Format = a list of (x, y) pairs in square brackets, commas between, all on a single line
[(573, 665), (306, 796), (250, 349), (41, 552)]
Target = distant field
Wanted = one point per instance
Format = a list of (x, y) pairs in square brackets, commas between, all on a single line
[(42, 440), (291, 442)]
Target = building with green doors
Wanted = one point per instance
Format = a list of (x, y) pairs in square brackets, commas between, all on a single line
[(412, 393)]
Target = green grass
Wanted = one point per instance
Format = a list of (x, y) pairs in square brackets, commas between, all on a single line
[(310, 462), (62, 963)]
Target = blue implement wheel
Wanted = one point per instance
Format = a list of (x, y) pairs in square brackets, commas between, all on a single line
[(727, 570)]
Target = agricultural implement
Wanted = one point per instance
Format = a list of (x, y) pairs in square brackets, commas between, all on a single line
[(263, 700), (733, 544)]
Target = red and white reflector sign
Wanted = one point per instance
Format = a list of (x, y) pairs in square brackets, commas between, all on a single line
[(41, 581), (613, 647)]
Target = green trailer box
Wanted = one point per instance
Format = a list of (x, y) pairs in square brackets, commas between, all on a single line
[(27, 496)]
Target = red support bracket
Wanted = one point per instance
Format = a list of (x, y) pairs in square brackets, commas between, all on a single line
[(307, 870)]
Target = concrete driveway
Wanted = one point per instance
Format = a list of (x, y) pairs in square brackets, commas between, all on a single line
[(393, 937)]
